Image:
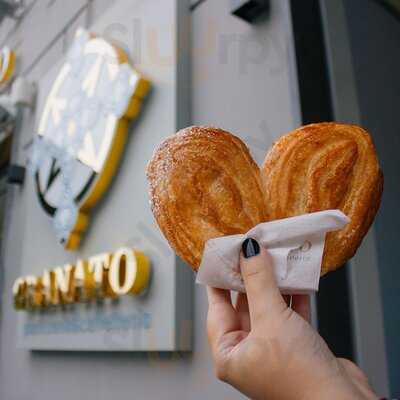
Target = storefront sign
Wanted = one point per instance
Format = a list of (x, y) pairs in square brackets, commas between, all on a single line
[(7, 64), (102, 276), (86, 301), (82, 132)]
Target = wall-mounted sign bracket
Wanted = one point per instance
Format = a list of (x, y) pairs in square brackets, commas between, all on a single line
[(249, 10), (16, 174)]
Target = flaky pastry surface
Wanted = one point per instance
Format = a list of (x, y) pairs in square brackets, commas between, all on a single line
[(204, 184), (325, 166)]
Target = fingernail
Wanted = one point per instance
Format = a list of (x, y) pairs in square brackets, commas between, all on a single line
[(250, 248)]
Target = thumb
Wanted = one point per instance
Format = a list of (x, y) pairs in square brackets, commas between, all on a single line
[(263, 295)]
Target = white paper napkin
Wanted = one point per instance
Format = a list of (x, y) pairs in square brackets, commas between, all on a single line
[(295, 245)]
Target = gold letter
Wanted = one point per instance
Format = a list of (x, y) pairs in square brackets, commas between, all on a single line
[(129, 271), (64, 282), (98, 268), (34, 291), (19, 294)]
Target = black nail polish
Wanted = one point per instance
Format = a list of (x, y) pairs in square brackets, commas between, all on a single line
[(250, 248)]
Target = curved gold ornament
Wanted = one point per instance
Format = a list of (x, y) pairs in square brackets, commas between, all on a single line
[(7, 64), (82, 132)]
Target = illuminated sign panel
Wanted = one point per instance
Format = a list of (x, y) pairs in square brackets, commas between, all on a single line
[(82, 132), (102, 276), (87, 300)]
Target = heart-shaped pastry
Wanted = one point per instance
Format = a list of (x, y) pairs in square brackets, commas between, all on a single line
[(325, 166), (204, 184)]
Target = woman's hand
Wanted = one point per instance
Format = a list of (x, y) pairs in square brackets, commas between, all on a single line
[(270, 351)]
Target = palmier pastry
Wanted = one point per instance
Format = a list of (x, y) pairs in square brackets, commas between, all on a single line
[(325, 166), (204, 184)]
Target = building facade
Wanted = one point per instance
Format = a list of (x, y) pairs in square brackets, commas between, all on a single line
[(206, 66)]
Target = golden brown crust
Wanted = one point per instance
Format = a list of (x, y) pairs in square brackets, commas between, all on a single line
[(204, 184), (325, 166)]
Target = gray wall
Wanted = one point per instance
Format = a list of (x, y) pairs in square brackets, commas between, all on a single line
[(243, 80), (375, 43)]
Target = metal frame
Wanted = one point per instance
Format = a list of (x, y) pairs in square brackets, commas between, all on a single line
[(349, 304), (366, 302), (333, 311)]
